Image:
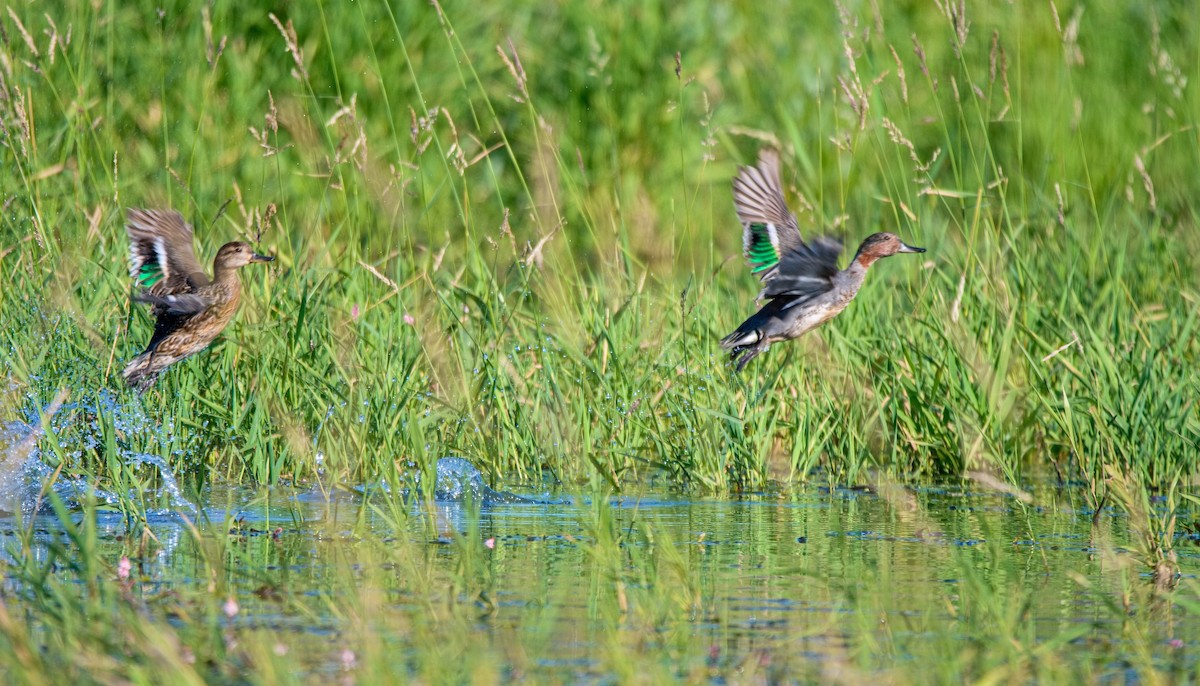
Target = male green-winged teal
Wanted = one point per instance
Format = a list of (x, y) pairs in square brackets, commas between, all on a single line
[(189, 308), (801, 281)]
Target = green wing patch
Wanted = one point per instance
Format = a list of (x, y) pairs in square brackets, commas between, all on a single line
[(762, 247), (149, 275)]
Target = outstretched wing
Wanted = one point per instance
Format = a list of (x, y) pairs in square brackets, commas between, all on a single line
[(160, 252), (769, 229), (805, 272), (181, 304)]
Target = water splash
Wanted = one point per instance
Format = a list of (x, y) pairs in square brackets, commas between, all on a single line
[(26, 479), (18, 441), (24, 476), (459, 481), (170, 486)]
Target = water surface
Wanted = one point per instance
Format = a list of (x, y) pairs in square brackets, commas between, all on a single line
[(792, 586)]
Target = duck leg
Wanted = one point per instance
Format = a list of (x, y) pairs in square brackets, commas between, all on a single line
[(748, 352)]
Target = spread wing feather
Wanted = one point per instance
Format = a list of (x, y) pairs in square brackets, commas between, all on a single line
[(805, 271), (769, 229), (160, 252)]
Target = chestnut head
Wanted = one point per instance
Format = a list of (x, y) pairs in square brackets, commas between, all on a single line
[(882, 244)]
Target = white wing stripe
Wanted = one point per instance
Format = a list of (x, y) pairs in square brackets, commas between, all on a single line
[(774, 234), (160, 250)]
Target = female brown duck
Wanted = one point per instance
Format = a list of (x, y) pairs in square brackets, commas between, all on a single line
[(189, 308)]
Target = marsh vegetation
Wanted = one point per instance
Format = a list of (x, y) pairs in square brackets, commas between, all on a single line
[(504, 232)]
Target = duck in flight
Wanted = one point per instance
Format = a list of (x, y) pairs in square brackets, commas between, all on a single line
[(801, 281), (189, 308)]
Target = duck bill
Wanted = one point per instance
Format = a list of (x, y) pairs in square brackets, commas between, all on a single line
[(905, 247), (261, 258)]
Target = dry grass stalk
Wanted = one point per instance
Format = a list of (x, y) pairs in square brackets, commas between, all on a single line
[(993, 56), (1004, 83), (1070, 35), (377, 274), (212, 51), (956, 306), (1163, 67), (852, 88), (517, 70), (56, 41), (957, 14), (293, 46), (709, 143), (1055, 353), (352, 132), (270, 130), (533, 254), (900, 75), (422, 134), (263, 225), (877, 17), (919, 51), (16, 110), (1153, 534), (857, 98), (899, 138), (1147, 183), (24, 34), (1062, 206)]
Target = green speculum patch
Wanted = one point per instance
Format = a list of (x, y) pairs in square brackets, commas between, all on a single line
[(149, 275), (762, 251)]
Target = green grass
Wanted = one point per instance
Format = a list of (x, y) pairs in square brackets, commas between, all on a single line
[(504, 231), (400, 170)]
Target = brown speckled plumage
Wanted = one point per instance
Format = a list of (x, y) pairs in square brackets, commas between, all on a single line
[(190, 309)]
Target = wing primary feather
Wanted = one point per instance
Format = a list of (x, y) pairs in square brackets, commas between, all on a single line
[(163, 239), (769, 229)]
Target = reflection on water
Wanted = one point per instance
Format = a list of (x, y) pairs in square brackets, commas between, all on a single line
[(791, 583), (788, 581)]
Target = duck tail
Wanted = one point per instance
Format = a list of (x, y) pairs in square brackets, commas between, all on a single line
[(141, 372), (741, 338), (744, 345)]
